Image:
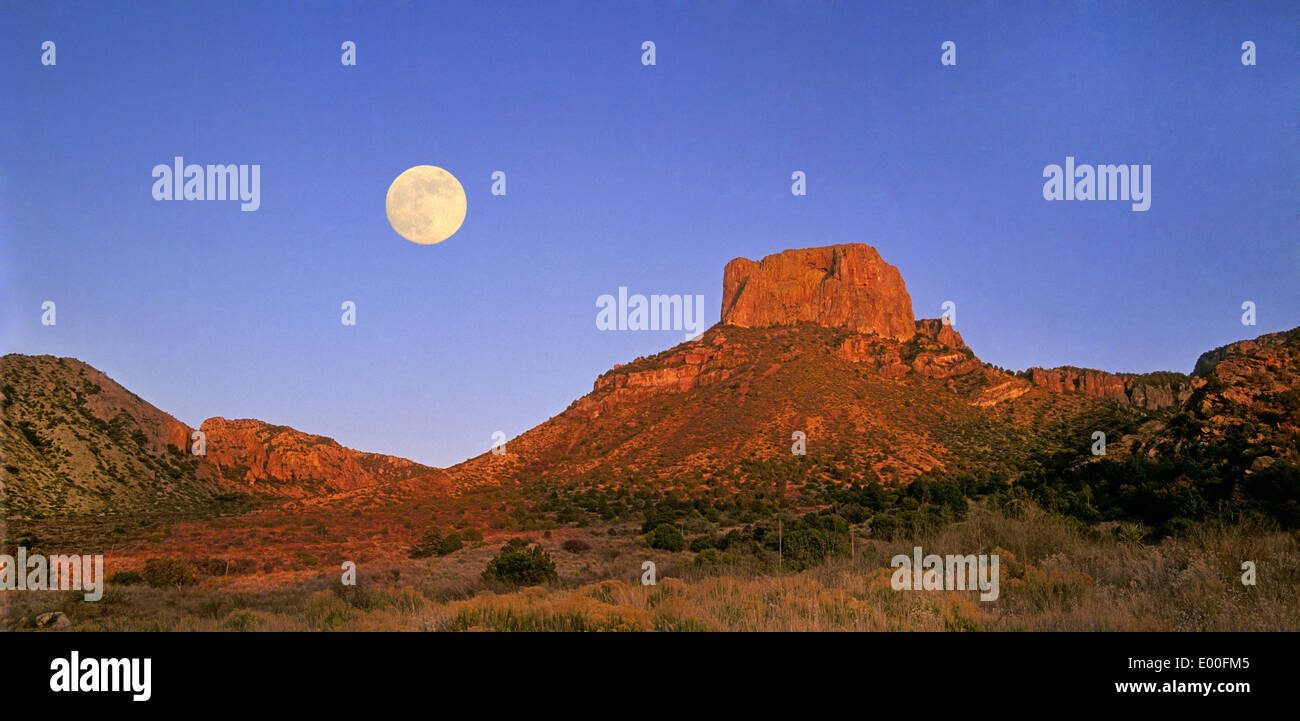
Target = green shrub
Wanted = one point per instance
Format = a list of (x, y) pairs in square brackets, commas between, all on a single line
[(574, 545), (125, 578), (435, 544), (710, 558), (733, 539), (805, 547), (519, 564), (1129, 533), (450, 544), (700, 543), (666, 537), (884, 526)]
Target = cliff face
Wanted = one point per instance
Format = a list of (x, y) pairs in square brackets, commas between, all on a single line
[(1098, 384), (278, 460), (838, 286), (1152, 391)]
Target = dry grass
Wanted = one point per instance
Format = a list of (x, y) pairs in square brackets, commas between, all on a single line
[(1053, 578)]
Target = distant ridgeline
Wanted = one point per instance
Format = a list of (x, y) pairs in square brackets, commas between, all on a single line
[(818, 384)]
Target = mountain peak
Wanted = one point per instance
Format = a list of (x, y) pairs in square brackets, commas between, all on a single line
[(836, 286)]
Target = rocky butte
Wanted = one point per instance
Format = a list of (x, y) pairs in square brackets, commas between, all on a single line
[(838, 286), (850, 286)]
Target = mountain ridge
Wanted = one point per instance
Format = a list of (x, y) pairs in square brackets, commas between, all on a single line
[(76, 442), (810, 344)]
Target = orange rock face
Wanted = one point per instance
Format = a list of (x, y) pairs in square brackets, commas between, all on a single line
[(1124, 388), (838, 286), (284, 461), (940, 331), (1255, 384), (681, 372), (1098, 384)]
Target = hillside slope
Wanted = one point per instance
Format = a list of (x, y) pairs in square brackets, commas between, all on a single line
[(810, 343), (75, 442)]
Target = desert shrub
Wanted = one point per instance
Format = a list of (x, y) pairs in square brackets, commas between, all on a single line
[(520, 564), (355, 596), (163, 572), (1129, 533), (472, 535), (884, 526), (664, 512), (733, 539), (709, 558), (805, 547), (574, 545), (125, 578), (434, 543), (700, 543), (405, 599), (608, 591), (326, 612), (428, 545), (1276, 489), (1175, 527), (450, 544), (666, 537), (243, 620), (908, 523), (959, 623)]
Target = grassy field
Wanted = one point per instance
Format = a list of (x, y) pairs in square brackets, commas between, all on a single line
[(1055, 576)]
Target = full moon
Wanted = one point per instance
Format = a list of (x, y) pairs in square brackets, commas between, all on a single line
[(425, 204)]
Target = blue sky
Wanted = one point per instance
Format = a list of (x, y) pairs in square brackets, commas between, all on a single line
[(620, 175)]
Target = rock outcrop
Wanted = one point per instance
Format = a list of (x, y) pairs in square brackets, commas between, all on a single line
[(1152, 391), (839, 286), (281, 461), (1098, 384), (1273, 355), (1254, 386), (940, 331)]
